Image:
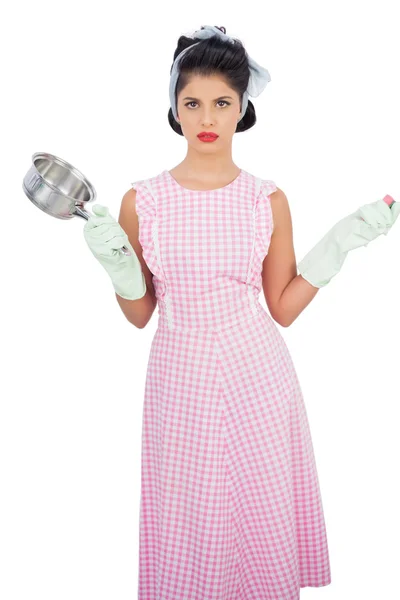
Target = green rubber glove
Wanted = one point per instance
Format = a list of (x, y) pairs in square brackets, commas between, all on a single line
[(104, 236), (325, 260)]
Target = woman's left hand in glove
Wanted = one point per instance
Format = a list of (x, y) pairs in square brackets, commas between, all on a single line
[(325, 260)]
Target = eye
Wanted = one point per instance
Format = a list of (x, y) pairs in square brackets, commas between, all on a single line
[(193, 102)]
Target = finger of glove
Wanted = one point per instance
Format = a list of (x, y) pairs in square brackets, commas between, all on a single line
[(361, 234), (100, 210), (395, 210), (101, 215), (108, 247), (104, 231), (107, 236), (103, 234), (94, 222), (371, 229), (377, 214)]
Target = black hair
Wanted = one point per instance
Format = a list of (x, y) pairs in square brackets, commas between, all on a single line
[(214, 56)]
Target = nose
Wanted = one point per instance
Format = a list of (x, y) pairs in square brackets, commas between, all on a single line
[(207, 124), (207, 117)]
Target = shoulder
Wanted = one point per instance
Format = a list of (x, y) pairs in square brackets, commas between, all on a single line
[(147, 185), (143, 194), (280, 210), (278, 202)]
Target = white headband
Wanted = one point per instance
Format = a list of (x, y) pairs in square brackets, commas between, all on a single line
[(259, 77)]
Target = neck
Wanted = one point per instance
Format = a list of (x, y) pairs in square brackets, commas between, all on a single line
[(207, 166)]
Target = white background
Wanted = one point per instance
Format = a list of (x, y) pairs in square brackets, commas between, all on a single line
[(89, 83)]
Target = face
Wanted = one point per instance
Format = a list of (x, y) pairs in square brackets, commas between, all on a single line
[(208, 104)]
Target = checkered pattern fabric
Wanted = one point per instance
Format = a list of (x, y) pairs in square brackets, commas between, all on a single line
[(230, 505)]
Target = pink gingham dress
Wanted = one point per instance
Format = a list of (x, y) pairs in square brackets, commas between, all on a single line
[(230, 505)]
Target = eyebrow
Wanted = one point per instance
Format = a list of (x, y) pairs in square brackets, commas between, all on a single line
[(220, 98)]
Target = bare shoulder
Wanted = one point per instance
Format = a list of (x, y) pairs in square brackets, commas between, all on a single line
[(128, 218), (280, 210), (129, 200)]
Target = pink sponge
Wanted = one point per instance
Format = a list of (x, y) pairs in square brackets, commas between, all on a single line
[(388, 199)]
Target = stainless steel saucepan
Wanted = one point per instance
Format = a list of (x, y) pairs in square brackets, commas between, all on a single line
[(60, 190)]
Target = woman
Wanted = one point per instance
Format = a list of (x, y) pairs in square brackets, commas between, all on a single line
[(230, 500)]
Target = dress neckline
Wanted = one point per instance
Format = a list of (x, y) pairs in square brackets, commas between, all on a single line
[(224, 187)]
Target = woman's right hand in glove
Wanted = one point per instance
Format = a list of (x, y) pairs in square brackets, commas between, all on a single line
[(105, 236)]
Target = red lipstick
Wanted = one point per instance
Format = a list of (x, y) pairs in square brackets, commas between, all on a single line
[(207, 136)]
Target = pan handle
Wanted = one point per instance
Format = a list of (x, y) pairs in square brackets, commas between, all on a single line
[(85, 215)]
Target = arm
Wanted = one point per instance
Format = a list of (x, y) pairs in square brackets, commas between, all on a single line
[(138, 312), (294, 299), (286, 293), (291, 293)]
